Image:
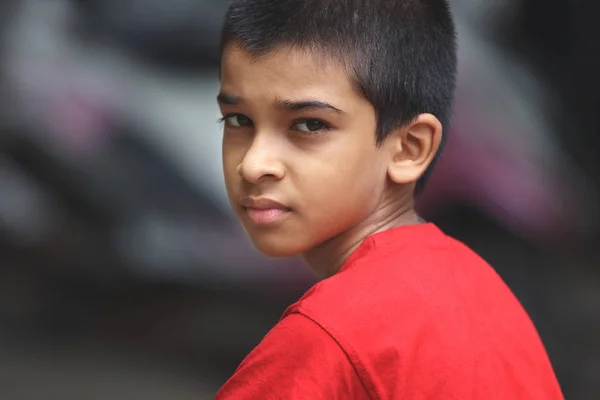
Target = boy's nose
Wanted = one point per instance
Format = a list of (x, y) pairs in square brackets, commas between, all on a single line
[(260, 163)]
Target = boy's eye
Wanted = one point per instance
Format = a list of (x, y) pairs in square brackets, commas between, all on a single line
[(310, 125), (237, 120)]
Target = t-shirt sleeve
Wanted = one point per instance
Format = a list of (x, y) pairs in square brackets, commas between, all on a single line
[(297, 359)]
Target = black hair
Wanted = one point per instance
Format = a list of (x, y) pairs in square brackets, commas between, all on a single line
[(401, 54)]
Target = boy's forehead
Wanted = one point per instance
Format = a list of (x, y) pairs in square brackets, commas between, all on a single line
[(284, 67), (281, 53)]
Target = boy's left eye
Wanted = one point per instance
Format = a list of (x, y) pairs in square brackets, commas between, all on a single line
[(310, 125)]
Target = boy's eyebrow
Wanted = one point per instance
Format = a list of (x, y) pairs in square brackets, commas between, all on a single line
[(228, 99), (292, 105), (296, 105)]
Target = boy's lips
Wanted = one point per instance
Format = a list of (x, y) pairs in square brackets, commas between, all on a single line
[(264, 211)]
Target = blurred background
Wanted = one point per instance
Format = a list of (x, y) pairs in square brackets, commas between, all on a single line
[(123, 273)]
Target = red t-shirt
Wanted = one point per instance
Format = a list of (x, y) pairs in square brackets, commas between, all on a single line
[(413, 314)]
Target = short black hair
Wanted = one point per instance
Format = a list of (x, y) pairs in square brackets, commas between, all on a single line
[(401, 54)]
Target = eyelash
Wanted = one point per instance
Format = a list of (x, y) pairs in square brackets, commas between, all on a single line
[(326, 127), (224, 119)]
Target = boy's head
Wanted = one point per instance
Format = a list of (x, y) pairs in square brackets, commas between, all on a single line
[(333, 108)]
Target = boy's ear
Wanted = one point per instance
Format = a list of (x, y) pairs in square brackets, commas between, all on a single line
[(413, 147)]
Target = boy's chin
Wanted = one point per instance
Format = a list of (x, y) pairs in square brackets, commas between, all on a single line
[(276, 249)]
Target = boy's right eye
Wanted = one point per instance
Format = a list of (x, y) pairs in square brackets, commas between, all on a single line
[(237, 120)]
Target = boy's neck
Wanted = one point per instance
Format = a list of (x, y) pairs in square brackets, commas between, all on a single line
[(327, 258)]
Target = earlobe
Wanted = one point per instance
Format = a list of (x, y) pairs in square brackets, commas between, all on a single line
[(413, 148)]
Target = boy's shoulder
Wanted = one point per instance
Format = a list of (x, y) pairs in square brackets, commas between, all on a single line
[(411, 279), (415, 263), (413, 296), (410, 275)]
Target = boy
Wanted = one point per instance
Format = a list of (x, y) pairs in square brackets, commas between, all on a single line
[(333, 113)]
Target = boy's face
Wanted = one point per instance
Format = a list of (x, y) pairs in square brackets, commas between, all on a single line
[(299, 155)]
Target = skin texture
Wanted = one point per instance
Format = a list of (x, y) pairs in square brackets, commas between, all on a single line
[(334, 184)]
